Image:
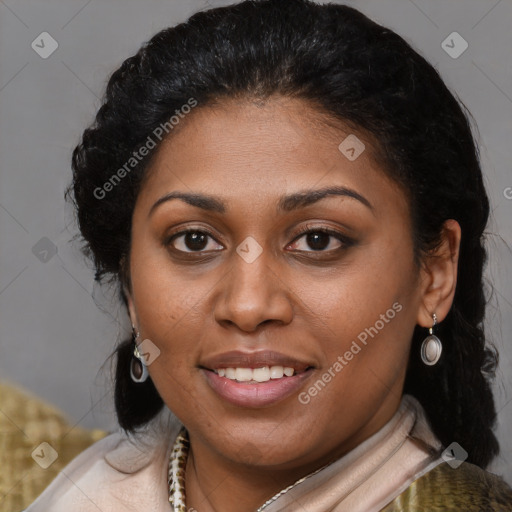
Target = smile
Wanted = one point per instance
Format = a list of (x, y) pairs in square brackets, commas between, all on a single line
[(252, 393), (255, 375)]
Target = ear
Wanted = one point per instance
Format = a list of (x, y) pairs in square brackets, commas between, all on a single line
[(439, 276), (124, 276), (131, 306)]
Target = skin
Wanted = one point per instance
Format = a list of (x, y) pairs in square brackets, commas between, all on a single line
[(293, 299)]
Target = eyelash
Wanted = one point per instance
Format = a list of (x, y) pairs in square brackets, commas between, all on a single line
[(343, 239)]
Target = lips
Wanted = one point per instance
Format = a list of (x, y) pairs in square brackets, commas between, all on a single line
[(241, 379), (239, 359)]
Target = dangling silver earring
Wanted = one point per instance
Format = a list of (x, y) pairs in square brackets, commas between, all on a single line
[(138, 370), (431, 347)]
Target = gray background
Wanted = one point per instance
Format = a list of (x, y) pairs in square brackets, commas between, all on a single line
[(56, 327)]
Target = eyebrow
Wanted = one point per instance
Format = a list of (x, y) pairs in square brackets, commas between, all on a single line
[(287, 203)]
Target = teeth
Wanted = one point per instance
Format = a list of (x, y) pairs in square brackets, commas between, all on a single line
[(263, 374), (243, 374), (276, 372)]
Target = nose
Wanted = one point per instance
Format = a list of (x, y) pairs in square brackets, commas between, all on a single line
[(253, 294)]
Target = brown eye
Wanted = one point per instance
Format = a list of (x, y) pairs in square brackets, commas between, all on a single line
[(320, 240), (193, 241)]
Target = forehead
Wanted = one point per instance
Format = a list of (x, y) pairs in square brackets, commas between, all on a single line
[(244, 150)]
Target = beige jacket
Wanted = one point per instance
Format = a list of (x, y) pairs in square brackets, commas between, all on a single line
[(122, 473)]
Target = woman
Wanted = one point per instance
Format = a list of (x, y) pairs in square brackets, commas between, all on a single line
[(292, 203)]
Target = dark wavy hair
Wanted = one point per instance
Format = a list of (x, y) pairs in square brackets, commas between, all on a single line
[(355, 71)]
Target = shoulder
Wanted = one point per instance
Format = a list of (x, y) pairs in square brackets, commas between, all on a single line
[(467, 487), (119, 473), (86, 469)]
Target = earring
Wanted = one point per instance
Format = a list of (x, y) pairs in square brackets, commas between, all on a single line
[(138, 370), (431, 347)]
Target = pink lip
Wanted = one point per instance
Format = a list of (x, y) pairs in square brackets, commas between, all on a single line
[(258, 395)]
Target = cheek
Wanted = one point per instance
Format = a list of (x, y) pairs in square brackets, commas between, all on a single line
[(365, 354), (366, 314), (169, 318), (165, 293), (362, 291), (164, 308)]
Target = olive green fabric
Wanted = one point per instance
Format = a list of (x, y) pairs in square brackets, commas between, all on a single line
[(466, 488), (26, 421)]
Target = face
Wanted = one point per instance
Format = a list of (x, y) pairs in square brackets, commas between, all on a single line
[(260, 270)]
